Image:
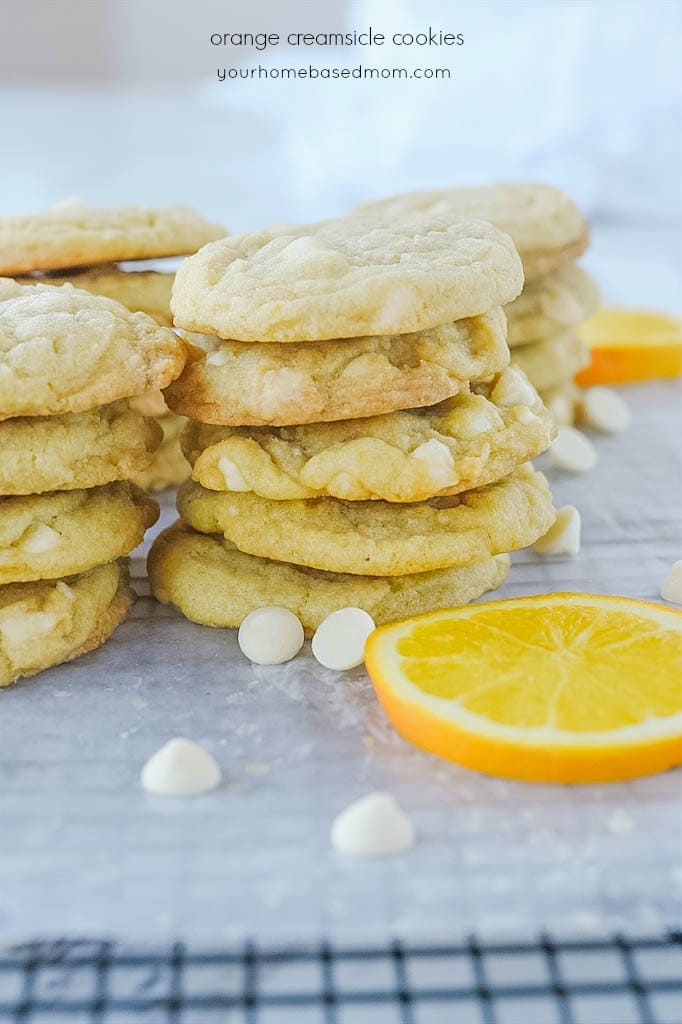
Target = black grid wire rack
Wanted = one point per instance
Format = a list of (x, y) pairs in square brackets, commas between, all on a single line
[(615, 980)]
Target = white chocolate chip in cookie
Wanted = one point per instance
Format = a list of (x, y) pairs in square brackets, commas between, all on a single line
[(572, 451), (39, 538), (217, 358), (18, 626), (671, 587), (437, 458), (605, 410), (513, 389), (234, 481), (563, 538)]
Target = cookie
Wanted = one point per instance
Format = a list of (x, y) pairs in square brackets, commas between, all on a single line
[(346, 278), (551, 363), (239, 384), (378, 538), (76, 449), (545, 225), (168, 466), (551, 305), (49, 622), (562, 403), (465, 442), (44, 536), (150, 404), (64, 350), (214, 583), (140, 291), (72, 234)]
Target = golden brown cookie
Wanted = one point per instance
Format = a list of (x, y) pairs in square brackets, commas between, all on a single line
[(377, 538), (64, 350), (240, 384), (49, 622), (73, 234), (169, 465), (346, 278), (214, 583), (75, 450), (552, 363), (544, 223), (551, 305), (44, 536), (465, 442), (140, 291)]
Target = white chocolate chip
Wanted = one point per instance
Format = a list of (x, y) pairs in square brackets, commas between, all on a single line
[(572, 451), (180, 768), (671, 587), (217, 358), (605, 410), (561, 410), (513, 388), (234, 481), (339, 641), (374, 826), (524, 415), (270, 636), (438, 460), (18, 626), (65, 590), (563, 538), (39, 538)]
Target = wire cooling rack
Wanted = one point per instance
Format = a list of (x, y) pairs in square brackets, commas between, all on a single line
[(617, 980)]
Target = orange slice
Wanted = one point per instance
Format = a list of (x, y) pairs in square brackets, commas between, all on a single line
[(629, 345), (557, 688)]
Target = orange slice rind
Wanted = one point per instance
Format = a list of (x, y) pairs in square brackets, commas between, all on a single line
[(629, 345), (558, 688)]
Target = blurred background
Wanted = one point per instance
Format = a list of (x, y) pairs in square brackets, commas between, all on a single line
[(120, 102)]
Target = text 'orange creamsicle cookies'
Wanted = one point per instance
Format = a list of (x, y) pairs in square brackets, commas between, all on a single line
[(357, 437), (557, 688)]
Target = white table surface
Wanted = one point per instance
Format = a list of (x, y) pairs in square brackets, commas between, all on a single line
[(85, 851)]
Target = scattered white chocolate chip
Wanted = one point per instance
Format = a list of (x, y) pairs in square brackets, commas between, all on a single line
[(572, 451), (65, 590), (270, 636), (234, 481), (513, 388), (563, 538), (180, 768), (374, 826), (39, 538), (561, 410), (621, 823), (522, 414), (605, 410), (339, 641), (671, 587), (437, 458)]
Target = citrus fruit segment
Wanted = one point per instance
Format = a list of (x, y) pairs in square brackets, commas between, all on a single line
[(556, 688), (629, 345)]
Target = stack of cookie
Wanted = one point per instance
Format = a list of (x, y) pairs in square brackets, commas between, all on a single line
[(357, 436), (549, 233), (70, 444), (85, 246)]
